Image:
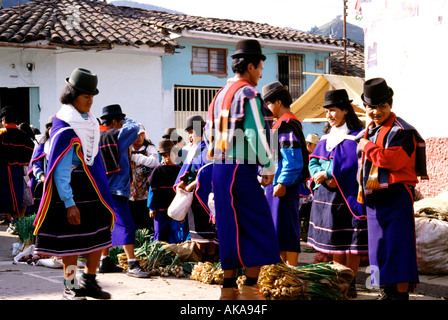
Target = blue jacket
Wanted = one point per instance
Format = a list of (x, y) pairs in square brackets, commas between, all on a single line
[(120, 182)]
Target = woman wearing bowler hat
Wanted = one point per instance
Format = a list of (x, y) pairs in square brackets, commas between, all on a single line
[(337, 220), (202, 229), (75, 215), (393, 157)]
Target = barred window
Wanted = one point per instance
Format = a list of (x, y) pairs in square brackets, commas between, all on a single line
[(209, 61)]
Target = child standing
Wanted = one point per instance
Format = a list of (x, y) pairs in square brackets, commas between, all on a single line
[(161, 193)]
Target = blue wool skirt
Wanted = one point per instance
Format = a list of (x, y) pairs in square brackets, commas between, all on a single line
[(246, 232), (391, 228), (332, 228), (124, 228), (285, 214)]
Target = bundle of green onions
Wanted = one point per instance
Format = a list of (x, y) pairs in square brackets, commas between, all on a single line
[(25, 229), (322, 281)]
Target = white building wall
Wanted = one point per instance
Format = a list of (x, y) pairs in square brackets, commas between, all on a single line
[(405, 44), (133, 80)]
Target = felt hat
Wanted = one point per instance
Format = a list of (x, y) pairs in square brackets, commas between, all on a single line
[(193, 121), (376, 92), (272, 88), (8, 111), (312, 138), (170, 133), (336, 98), (112, 110), (165, 146), (84, 81), (248, 48)]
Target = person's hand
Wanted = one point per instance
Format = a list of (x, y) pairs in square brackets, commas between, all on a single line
[(191, 187), (152, 214), (73, 215), (267, 179), (331, 183), (362, 143), (320, 177), (279, 190), (42, 177), (181, 185)]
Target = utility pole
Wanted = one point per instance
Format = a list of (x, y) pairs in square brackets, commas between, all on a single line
[(345, 36)]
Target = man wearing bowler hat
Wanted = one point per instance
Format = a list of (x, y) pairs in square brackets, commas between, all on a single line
[(118, 133), (393, 158), (291, 171), (239, 125), (16, 149)]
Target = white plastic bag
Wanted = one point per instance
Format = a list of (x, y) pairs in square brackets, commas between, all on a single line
[(28, 251), (179, 206)]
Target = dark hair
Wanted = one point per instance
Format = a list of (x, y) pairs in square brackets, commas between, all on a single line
[(108, 119), (25, 127), (239, 65), (352, 120), (284, 96), (69, 94), (10, 118)]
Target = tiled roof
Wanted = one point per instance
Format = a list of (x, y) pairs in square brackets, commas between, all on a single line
[(81, 24), (93, 24), (355, 63)]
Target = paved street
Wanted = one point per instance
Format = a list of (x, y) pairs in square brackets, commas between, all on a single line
[(27, 282)]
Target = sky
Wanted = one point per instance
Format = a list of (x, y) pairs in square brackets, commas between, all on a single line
[(297, 14)]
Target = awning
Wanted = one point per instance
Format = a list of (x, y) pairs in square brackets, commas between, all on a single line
[(309, 105)]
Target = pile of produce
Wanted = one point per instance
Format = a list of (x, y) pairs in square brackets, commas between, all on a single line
[(154, 258), (207, 272), (323, 281), (25, 229)]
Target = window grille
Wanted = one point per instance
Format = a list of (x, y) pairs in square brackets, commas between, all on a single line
[(290, 73), (189, 100)]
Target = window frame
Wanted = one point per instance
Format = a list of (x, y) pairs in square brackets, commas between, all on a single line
[(209, 50)]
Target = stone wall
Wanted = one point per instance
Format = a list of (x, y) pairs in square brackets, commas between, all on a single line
[(437, 167)]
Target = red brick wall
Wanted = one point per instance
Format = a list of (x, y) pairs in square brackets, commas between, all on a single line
[(437, 167)]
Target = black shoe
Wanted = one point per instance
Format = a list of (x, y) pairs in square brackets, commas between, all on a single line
[(352, 293), (73, 294), (92, 289), (108, 266), (391, 293)]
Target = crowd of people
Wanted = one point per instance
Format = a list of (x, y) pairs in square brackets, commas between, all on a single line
[(94, 182)]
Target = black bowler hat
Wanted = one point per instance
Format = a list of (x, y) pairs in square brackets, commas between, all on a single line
[(165, 146), (336, 98), (112, 110), (84, 81), (8, 111), (376, 92), (192, 121), (272, 88), (170, 133), (248, 48)]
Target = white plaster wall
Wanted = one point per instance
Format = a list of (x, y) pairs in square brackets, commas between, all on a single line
[(404, 44), (13, 74), (132, 80)]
